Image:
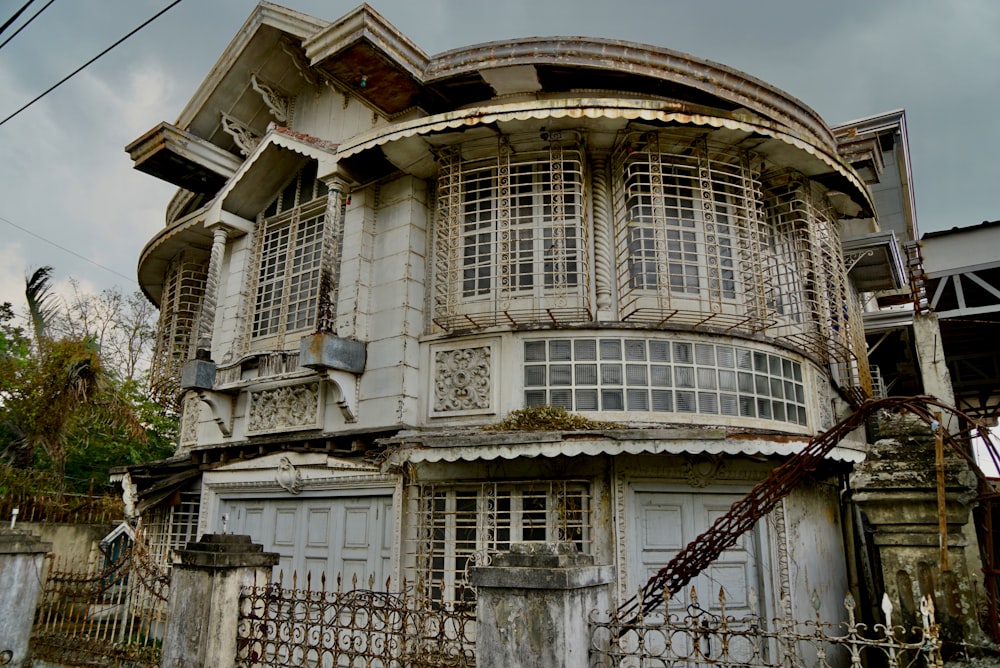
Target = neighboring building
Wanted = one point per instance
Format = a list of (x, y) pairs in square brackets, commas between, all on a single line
[(375, 253)]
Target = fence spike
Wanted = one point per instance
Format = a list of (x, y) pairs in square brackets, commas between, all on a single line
[(927, 610), (887, 609)]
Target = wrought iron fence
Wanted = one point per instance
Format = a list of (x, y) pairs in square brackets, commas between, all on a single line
[(356, 628), (702, 637), (105, 614)]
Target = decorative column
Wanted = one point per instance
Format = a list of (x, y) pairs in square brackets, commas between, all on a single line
[(330, 261), (21, 556), (603, 279), (338, 359), (534, 604), (210, 300), (205, 599)]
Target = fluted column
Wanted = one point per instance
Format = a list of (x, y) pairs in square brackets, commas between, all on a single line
[(210, 300), (603, 275)]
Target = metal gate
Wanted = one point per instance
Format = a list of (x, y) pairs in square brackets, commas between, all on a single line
[(111, 613)]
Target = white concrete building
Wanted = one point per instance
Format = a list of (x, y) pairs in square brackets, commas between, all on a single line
[(375, 253)]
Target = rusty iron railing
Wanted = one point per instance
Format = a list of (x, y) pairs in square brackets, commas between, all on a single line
[(702, 637), (110, 614), (361, 628)]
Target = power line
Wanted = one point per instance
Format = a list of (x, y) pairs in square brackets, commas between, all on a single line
[(63, 248), (77, 70), (26, 23), (16, 14)]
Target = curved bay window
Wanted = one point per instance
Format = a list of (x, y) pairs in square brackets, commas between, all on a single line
[(288, 249), (511, 235), (701, 242), (808, 290), (180, 308), (688, 232)]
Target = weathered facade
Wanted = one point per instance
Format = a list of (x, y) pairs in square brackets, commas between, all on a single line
[(374, 254)]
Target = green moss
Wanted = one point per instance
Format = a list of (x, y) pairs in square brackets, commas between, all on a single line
[(548, 418)]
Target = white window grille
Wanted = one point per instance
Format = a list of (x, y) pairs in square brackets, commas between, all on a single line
[(171, 525), (683, 217), (809, 292), (663, 376), (511, 239), (180, 307), (457, 526), (289, 252)]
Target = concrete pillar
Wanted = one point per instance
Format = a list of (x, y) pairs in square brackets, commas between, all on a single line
[(534, 604), (205, 599), (21, 556), (896, 488)]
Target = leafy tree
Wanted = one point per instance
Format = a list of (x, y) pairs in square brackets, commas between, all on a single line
[(70, 404)]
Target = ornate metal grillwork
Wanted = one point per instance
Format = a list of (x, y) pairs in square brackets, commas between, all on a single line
[(357, 627), (687, 233), (809, 291), (458, 526), (703, 637), (180, 306), (112, 615), (511, 234), (289, 242)]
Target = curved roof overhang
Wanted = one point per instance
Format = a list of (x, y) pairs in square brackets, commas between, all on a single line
[(409, 146), (186, 234), (567, 63)]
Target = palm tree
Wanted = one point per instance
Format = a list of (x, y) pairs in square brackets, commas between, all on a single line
[(62, 388)]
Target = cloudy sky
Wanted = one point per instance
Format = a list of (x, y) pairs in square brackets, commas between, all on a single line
[(69, 197)]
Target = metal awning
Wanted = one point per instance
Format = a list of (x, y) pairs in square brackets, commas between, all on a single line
[(490, 446), (875, 261)]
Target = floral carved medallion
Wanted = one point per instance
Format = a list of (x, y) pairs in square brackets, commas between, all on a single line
[(462, 379)]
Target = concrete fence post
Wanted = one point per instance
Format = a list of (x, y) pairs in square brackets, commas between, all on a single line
[(533, 606), (205, 599), (21, 557)]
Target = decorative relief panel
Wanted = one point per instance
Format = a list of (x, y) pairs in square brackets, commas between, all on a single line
[(463, 380), (285, 408), (190, 415)]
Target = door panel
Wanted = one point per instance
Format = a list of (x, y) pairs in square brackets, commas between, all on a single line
[(666, 523)]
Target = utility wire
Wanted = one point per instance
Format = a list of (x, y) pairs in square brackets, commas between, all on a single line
[(26, 23), (130, 279), (77, 70), (16, 14)]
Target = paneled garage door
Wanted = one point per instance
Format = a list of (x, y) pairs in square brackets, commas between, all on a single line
[(348, 536)]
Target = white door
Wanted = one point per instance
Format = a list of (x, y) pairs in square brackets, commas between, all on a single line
[(346, 536), (666, 522)]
